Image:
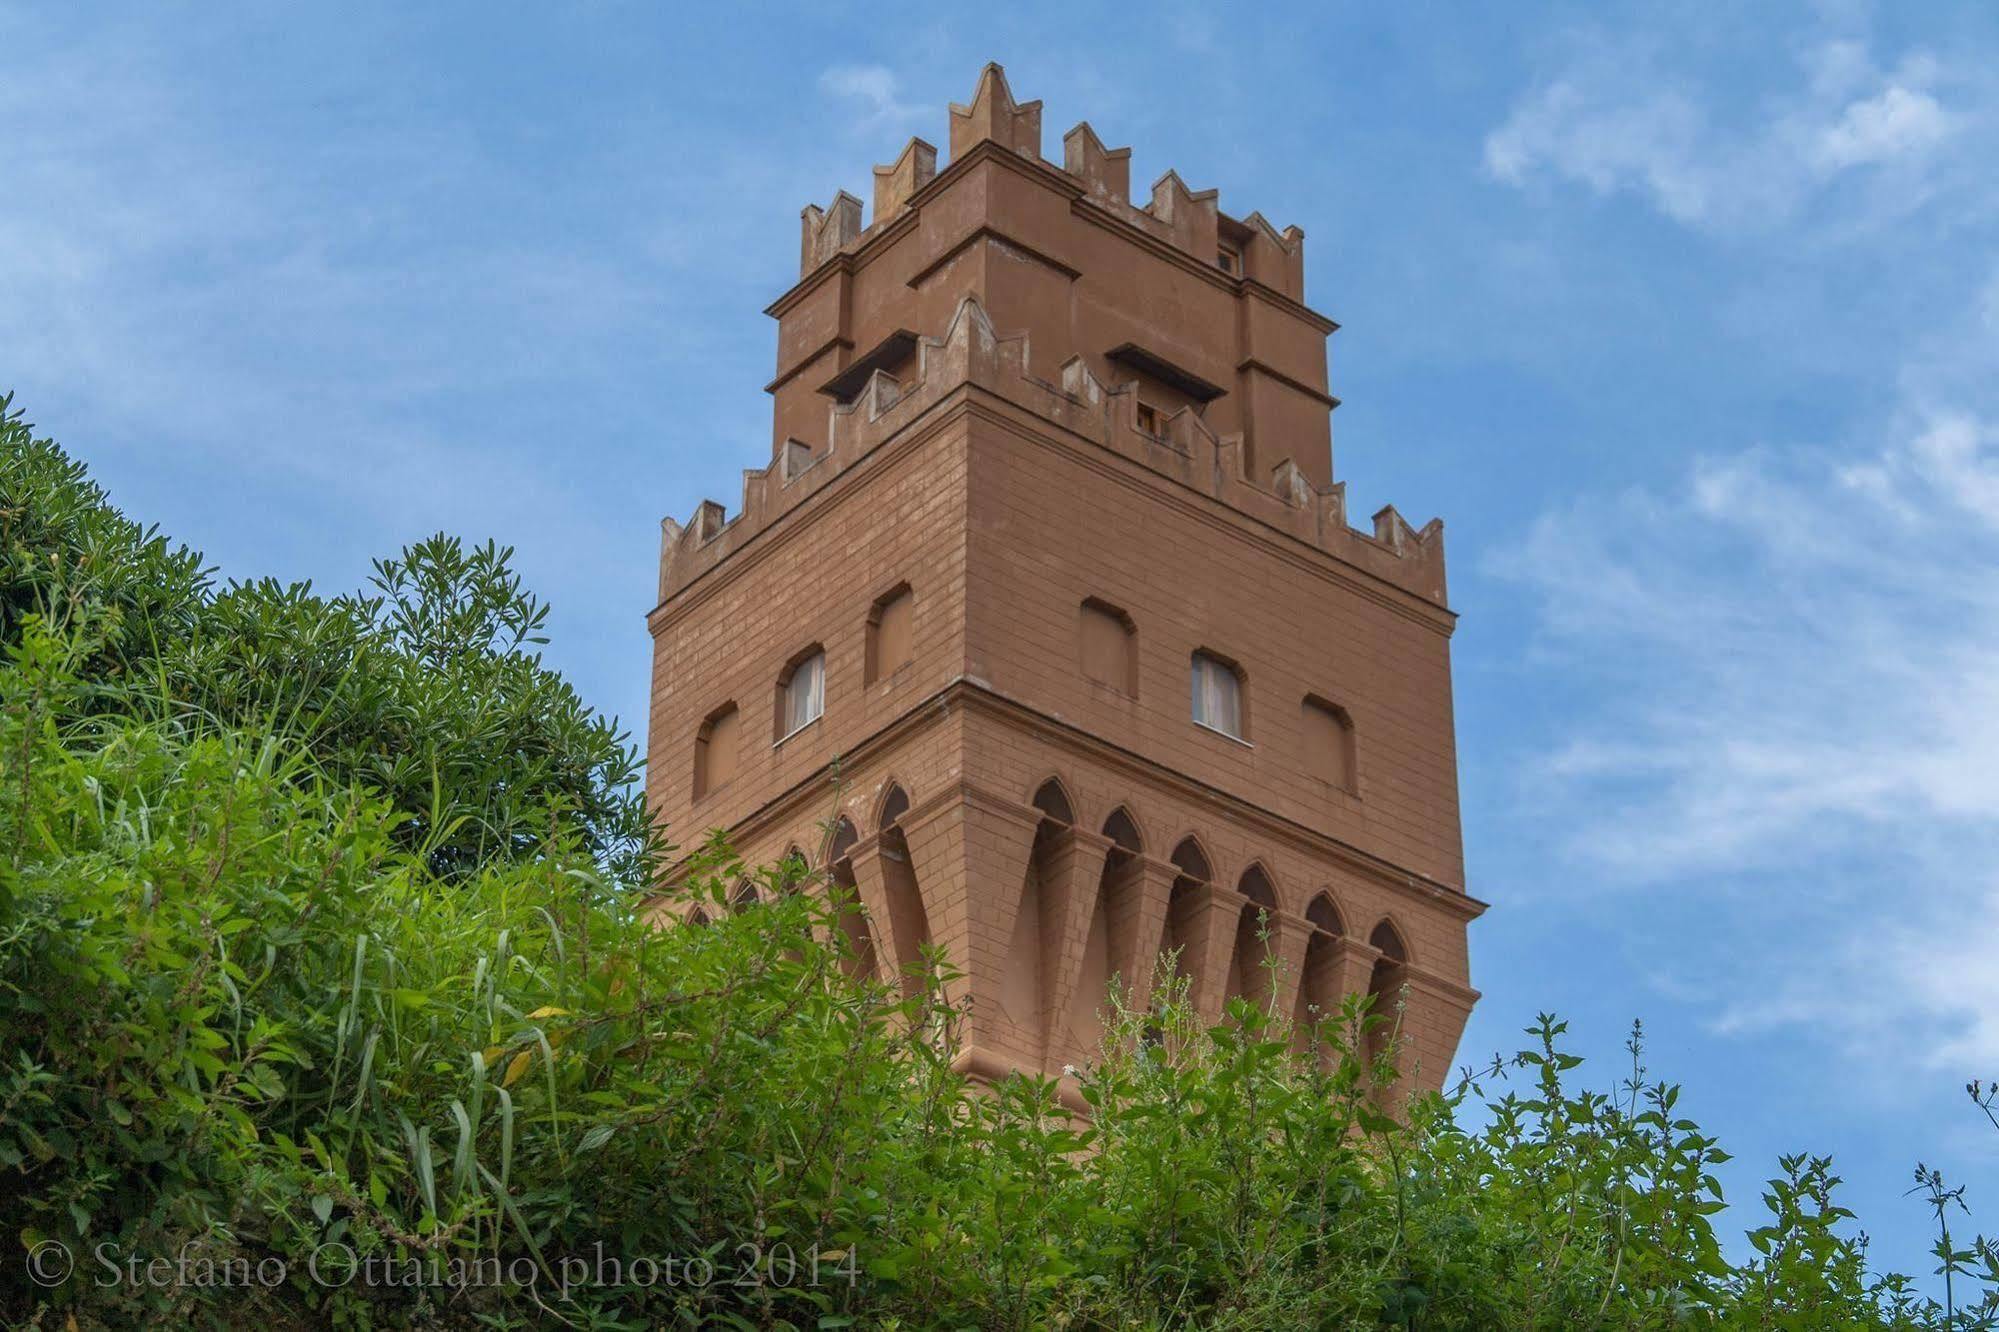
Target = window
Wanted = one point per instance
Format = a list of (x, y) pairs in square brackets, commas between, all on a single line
[(1229, 259), (797, 458), (1217, 695), (801, 693), (1148, 418), (889, 640), (1329, 743), (715, 750), (1109, 647)]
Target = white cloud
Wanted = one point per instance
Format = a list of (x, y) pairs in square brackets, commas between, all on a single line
[(1785, 668), (1898, 123), (1618, 118), (1650, 145), (1795, 660), (876, 89), (174, 275)]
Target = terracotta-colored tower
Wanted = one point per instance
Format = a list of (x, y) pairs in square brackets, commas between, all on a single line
[(1047, 604)]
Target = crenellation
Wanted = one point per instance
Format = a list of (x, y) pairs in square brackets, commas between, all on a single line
[(1191, 219), (1275, 258), (994, 115), (1105, 172), (896, 182), (972, 352), (824, 232)]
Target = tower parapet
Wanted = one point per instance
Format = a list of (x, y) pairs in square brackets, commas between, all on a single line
[(1189, 219), (970, 351)]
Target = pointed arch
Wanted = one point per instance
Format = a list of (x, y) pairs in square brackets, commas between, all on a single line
[(893, 805), (906, 929), (1193, 860), (742, 897), (1111, 951), (841, 839), (1258, 886), (1384, 991), (1387, 939), (1319, 977), (1324, 913), (860, 957), (1183, 931), (697, 917), (1052, 799), (1035, 951), (1249, 971), (1123, 829), (792, 870)]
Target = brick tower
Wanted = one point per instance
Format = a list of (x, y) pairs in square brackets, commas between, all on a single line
[(1046, 603)]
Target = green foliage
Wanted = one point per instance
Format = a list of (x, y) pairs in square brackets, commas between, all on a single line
[(426, 689), (247, 1022), (285, 1045)]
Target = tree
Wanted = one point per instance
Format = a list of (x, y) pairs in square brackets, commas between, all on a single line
[(427, 687)]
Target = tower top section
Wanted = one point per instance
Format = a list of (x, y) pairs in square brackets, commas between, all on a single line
[(1191, 307), (1169, 332), (1189, 220)]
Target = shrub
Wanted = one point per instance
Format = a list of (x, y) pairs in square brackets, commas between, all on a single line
[(425, 689)]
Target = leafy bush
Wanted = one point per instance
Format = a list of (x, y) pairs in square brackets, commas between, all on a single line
[(286, 1047), (423, 689)]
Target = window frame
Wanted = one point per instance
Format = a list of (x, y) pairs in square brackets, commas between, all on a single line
[(1229, 667), (785, 685)]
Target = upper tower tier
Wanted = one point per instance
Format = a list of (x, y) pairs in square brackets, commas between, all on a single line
[(1173, 335), (1194, 309)]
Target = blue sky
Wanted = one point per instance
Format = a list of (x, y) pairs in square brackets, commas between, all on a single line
[(1685, 318)]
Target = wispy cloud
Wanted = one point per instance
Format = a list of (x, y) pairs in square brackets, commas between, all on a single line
[(1897, 124), (254, 305), (1619, 117), (876, 92), (1796, 657), (1784, 665)]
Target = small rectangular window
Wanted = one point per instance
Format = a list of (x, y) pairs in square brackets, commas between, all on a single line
[(804, 695), (1217, 695), (797, 458), (1229, 260), (1108, 642), (715, 751), (1329, 743), (1148, 418), (890, 634)]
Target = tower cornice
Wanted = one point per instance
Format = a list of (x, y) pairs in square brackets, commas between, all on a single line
[(968, 398)]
